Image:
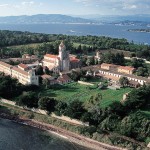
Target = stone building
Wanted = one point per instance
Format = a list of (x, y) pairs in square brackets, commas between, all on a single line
[(20, 72), (98, 55), (110, 67), (61, 62), (126, 69), (117, 68)]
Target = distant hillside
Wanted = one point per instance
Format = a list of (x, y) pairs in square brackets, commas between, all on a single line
[(42, 18), (112, 18)]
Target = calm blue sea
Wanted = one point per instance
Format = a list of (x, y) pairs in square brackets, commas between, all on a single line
[(79, 29), (14, 136)]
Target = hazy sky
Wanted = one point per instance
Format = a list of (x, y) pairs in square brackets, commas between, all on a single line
[(74, 7)]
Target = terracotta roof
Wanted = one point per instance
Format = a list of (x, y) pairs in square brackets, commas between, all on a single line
[(74, 59), (64, 78), (23, 66), (50, 61), (5, 64), (45, 76), (51, 56), (108, 76), (125, 75), (105, 64), (126, 68), (96, 68), (20, 71), (23, 59)]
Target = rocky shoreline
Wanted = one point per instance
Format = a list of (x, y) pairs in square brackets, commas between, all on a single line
[(72, 137)]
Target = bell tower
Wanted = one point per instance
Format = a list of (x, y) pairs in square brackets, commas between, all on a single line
[(64, 57), (62, 49)]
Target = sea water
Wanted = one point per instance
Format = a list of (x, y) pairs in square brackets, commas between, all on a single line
[(110, 30), (14, 136)]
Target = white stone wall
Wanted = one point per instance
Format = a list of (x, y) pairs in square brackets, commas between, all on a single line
[(141, 82), (22, 78)]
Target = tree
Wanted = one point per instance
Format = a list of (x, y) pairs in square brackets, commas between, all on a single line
[(90, 61), (47, 70), (47, 103), (123, 81), (138, 98), (45, 83), (141, 71), (84, 60), (75, 109), (111, 58), (60, 108), (93, 102), (119, 59), (135, 125), (28, 99), (137, 62), (110, 123), (117, 108), (39, 70), (75, 75), (9, 85)]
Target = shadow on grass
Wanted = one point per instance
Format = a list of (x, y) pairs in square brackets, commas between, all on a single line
[(63, 87)]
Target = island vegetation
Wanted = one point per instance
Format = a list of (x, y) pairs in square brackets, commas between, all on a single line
[(124, 123), (16, 43), (124, 119)]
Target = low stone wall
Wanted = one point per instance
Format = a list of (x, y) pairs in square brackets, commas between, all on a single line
[(8, 102), (85, 83), (14, 104), (44, 112), (68, 119), (39, 111), (130, 58)]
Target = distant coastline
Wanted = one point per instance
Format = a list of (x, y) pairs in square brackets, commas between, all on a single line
[(139, 30)]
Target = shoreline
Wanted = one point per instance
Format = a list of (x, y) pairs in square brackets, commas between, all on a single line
[(62, 133)]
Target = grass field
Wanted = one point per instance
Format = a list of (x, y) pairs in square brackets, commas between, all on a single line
[(147, 113), (77, 44), (74, 91), (33, 45)]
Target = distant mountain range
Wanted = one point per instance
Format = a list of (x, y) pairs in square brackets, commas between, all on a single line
[(131, 20), (115, 18), (86, 19), (43, 19)]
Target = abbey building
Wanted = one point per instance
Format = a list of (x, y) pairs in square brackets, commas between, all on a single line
[(61, 62), (21, 72)]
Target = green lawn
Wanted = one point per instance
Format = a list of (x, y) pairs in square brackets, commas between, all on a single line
[(77, 44), (32, 45), (146, 113), (74, 91)]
